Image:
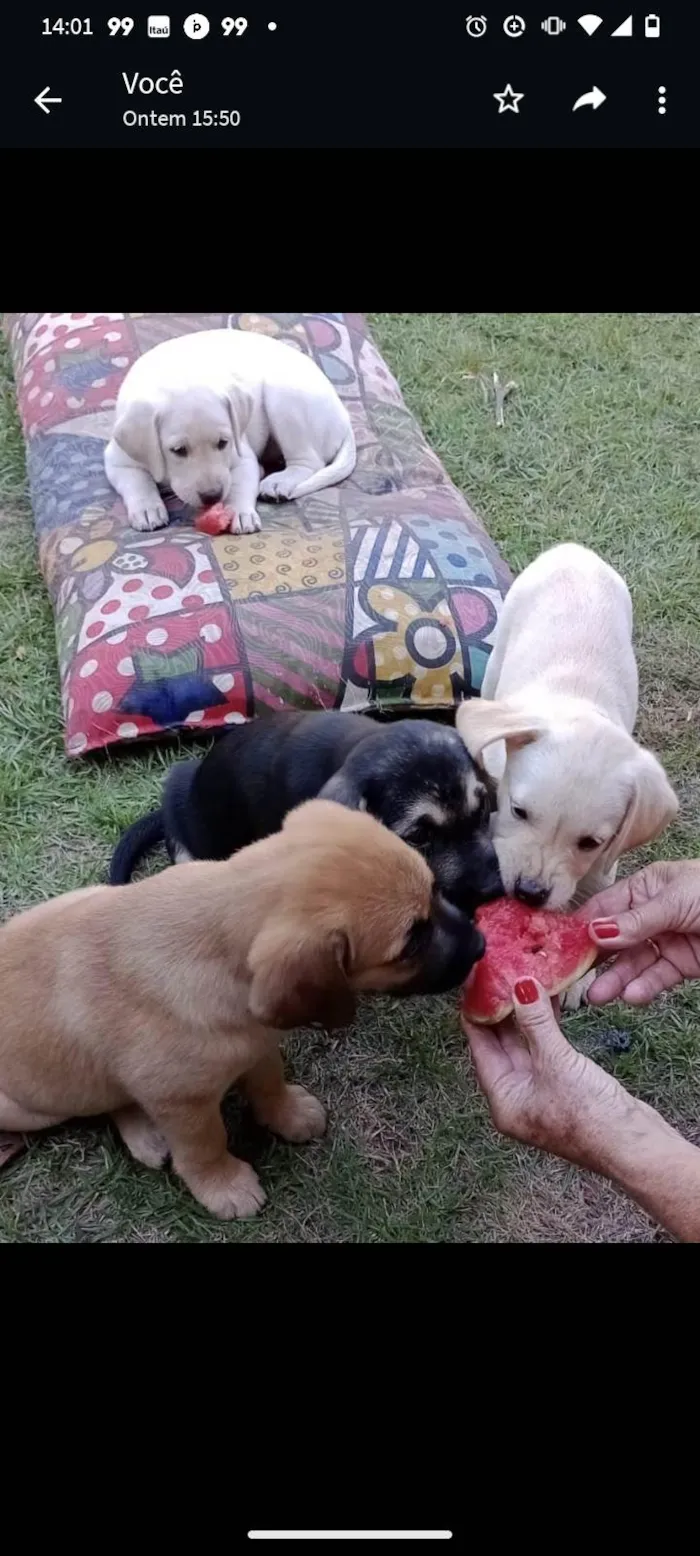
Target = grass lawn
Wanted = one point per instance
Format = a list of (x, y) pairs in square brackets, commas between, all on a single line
[(600, 445)]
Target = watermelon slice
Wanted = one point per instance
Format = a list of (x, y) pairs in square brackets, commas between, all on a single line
[(216, 520), (523, 942)]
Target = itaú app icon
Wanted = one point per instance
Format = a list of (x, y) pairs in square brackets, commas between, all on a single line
[(476, 26)]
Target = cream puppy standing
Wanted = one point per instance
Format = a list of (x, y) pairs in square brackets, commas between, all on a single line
[(197, 413), (554, 727)]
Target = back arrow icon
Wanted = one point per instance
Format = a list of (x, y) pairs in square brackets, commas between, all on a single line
[(42, 100), (590, 99)]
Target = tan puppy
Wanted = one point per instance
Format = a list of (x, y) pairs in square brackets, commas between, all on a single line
[(148, 1001), (554, 727)]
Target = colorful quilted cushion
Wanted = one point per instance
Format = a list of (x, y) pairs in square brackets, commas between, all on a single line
[(382, 592)]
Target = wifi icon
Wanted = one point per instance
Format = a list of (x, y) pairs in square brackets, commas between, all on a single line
[(590, 24)]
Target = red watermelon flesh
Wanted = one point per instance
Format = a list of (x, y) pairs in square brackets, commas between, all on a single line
[(523, 942), (216, 520)]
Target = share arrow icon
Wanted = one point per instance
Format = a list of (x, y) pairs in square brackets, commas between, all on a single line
[(590, 99)]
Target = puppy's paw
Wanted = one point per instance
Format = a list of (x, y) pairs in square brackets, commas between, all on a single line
[(232, 1192), (141, 1137), (280, 486), (246, 522), (577, 995), (293, 1114), (147, 515)]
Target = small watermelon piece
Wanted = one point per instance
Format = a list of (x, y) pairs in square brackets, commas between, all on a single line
[(523, 942), (216, 520)]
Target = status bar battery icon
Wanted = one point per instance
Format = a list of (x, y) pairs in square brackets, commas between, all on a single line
[(652, 26)]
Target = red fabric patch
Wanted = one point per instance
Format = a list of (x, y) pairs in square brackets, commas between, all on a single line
[(102, 676), (87, 378)]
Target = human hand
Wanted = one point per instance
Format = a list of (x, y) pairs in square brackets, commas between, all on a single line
[(541, 1090), (653, 919)]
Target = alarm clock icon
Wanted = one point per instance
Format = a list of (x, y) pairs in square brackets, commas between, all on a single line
[(476, 26)]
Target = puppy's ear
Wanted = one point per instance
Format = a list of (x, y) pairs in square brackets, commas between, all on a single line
[(344, 790), (240, 409), (652, 807), (481, 723), (296, 981), (137, 432)]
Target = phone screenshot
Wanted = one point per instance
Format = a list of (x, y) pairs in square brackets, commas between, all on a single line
[(312, 75)]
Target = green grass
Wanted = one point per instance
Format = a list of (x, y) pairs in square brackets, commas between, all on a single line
[(600, 445)]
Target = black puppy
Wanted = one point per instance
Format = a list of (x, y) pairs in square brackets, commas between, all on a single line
[(415, 776)]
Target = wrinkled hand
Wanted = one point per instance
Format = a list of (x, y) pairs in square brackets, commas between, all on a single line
[(653, 919), (541, 1090)]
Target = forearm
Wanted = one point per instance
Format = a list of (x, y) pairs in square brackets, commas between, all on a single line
[(657, 1168)]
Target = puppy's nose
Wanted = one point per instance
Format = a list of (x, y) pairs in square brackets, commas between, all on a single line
[(209, 498), (531, 892)]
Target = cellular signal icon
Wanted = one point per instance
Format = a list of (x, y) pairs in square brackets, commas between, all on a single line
[(553, 25), (590, 24)]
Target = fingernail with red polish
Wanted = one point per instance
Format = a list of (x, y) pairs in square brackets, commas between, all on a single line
[(526, 992), (605, 929)]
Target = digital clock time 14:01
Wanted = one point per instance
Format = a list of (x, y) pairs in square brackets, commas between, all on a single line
[(75, 26)]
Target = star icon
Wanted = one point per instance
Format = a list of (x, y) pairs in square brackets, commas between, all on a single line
[(508, 99)]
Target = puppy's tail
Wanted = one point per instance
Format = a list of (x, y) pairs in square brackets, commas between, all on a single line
[(340, 467), (138, 840)]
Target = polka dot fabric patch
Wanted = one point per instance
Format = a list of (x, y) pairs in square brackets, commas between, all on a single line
[(381, 592)]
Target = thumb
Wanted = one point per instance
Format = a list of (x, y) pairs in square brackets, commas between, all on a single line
[(639, 923), (536, 1021)]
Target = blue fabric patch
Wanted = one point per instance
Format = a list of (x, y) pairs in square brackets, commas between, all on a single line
[(169, 701), (66, 475), (454, 552)]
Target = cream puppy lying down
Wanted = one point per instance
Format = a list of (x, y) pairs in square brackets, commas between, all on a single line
[(553, 726), (196, 414)]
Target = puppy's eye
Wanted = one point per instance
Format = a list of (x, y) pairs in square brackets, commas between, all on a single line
[(222, 443), (420, 834), (417, 937), (588, 844), (519, 813), (181, 451)]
